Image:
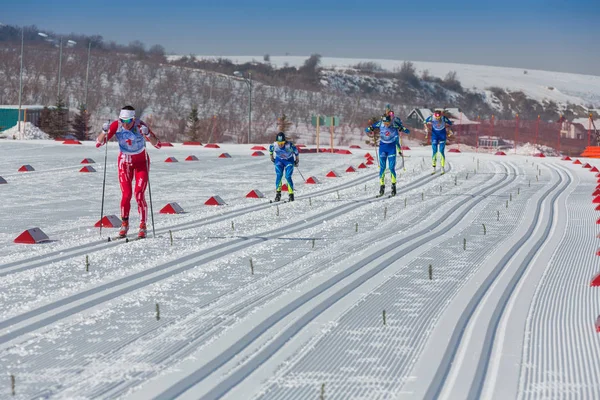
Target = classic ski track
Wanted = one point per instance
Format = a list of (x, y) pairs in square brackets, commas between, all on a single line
[(559, 334), (29, 321), (83, 249), (241, 303), (449, 361), (390, 253)]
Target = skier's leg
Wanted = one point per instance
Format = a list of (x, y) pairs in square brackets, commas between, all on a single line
[(141, 183), (289, 170), (392, 166), (442, 155), (382, 161), (125, 178), (278, 175), (434, 150)]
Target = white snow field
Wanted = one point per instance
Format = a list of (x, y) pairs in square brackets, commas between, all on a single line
[(327, 297)]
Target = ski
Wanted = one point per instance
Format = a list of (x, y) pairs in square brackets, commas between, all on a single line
[(127, 239)]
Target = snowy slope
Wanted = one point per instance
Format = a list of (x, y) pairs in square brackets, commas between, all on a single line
[(559, 87), (286, 301)]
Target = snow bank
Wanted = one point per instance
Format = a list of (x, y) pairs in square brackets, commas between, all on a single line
[(28, 132)]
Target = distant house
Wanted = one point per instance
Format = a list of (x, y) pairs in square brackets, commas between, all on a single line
[(460, 121), (494, 142), (578, 128)]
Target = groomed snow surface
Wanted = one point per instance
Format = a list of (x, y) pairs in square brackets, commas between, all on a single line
[(473, 284)]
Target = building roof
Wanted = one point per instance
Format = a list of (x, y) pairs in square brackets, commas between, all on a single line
[(455, 115), (23, 107)]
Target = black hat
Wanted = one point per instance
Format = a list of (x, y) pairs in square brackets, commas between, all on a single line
[(280, 137)]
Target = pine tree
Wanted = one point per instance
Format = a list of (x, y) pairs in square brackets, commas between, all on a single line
[(193, 125), (59, 121), (81, 122), (283, 123), (46, 120), (373, 136)]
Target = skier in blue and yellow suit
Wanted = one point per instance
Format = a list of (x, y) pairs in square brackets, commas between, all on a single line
[(285, 158), (440, 128), (389, 143)]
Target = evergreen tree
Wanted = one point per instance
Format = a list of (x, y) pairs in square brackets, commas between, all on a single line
[(59, 121), (81, 123), (373, 136), (193, 125), (46, 120), (283, 123)]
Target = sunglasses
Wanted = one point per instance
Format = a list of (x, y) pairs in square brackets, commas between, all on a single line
[(281, 143), (126, 121)]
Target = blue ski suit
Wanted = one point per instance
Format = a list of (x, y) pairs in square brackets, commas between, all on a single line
[(438, 137), (389, 143), (284, 159)]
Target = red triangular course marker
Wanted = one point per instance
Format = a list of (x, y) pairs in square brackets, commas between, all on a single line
[(258, 148), (87, 161), (171, 208), (32, 236), (341, 151), (192, 144), (171, 159), (2, 180), (500, 153), (594, 169), (191, 158), (166, 144), (566, 158), (224, 155), (354, 146), (351, 169), (87, 168), (26, 168), (71, 141), (312, 180), (255, 194), (362, 165), (109, 221), (258, 153), (212, 146), (454, 151), (577, 162), (332, 174), (215, 201)]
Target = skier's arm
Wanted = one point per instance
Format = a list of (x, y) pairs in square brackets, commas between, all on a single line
[(108, 131), (271, 149), (149, 135), (296, 155)]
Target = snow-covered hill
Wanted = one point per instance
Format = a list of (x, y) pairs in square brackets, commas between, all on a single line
[(560, 87)]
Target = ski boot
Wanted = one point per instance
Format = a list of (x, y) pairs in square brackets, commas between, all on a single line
[(291, 197), (142, 232), (381, 190), (433, 172), (393, 189), (278, 195), (443, 171), (124, 228)]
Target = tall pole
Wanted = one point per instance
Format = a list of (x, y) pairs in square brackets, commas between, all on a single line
[(59, 68), (516, 131), (87, 74), (249, 105), (20, 82)]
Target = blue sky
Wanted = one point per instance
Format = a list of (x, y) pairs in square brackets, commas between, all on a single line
[(550, 35)]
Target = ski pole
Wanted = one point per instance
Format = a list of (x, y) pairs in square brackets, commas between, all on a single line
[(300, 173), (401, 152), (149, 188), (104, 180)]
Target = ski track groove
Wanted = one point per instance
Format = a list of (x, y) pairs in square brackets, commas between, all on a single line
[(232, 379), (550, 340)]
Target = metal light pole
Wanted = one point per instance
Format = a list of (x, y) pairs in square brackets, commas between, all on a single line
[(248, 82), (87, 73), (20, 83), (60, 45)]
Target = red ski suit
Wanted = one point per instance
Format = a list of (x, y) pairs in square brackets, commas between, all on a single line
[(133, 161)]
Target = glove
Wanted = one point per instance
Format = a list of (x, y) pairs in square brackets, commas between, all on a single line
[(272, 160), (368, 130), (296, 162), (105, 127), (450, 133), (399, 152), (406, 130), (99, 144), (144, 130)]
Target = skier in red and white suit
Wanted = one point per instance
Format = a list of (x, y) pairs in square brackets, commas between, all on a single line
[(133, 161)]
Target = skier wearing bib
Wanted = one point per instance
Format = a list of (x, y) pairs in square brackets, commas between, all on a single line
[(439, 126), (389, 144), (284, 155), (133, 161)]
